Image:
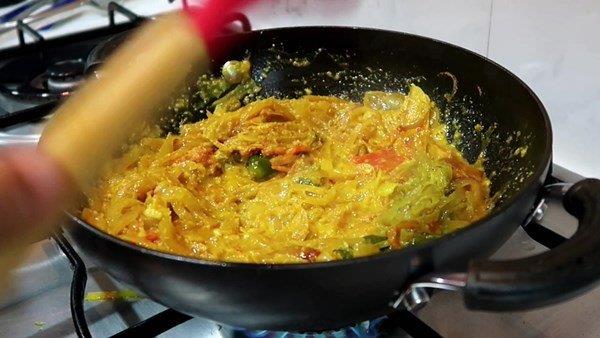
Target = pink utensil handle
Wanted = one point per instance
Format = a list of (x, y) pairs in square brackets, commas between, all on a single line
[(212, 15)]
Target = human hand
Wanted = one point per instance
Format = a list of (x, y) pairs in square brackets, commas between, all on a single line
[(33, 192)]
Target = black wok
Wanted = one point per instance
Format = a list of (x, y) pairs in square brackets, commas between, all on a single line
[(517, 141)]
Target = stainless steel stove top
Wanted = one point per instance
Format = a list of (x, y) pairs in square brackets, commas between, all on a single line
[(38, 302)]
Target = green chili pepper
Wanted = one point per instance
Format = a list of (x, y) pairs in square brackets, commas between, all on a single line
[(422, 238), (344, 253), (259, 167), (374, 239)]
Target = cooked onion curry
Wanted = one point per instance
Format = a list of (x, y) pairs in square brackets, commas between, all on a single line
[(312, 179)]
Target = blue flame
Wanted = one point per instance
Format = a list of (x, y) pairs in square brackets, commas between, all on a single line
[(369, 329)]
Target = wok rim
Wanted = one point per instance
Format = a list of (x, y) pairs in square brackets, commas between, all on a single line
[(539, 171)]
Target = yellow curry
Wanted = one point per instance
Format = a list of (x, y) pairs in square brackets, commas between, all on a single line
[(297, 180)]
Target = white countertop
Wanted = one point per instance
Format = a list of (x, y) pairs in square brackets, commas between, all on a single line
[(551, 44)]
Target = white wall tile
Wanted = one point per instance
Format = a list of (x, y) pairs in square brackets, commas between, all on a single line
[(463, 22), (553, 46)]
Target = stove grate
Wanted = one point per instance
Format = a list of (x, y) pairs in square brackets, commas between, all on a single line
[(398, 321)]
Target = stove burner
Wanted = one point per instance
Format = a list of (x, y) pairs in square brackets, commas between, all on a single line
[(36, 80), (368, 329), (64, 76)]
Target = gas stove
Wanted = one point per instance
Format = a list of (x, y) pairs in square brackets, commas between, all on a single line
[(47, 297)]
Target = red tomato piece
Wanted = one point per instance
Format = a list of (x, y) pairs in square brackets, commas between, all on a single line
[(383, 159), (152, 237)]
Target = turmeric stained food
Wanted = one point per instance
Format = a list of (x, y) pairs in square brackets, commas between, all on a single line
[(283, 181)]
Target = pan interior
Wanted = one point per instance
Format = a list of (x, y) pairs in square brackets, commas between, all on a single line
[(487, 111)]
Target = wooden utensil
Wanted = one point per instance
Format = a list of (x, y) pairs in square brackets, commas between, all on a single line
[(136, 82)]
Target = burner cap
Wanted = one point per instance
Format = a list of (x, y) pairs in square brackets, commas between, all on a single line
[(64, 76), (66, 69)]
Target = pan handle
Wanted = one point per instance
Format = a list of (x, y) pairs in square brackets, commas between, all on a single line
[(561, 273)]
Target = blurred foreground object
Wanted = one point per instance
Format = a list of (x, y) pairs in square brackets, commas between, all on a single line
[(88, 128), (137, 81), (33, 190)]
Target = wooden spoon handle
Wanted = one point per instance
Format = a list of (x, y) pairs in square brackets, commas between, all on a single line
[(136, 81)]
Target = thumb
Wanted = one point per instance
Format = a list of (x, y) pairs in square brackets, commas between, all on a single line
[(33, 192)]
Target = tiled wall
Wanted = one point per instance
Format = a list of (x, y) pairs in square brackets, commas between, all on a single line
[(554, 46)]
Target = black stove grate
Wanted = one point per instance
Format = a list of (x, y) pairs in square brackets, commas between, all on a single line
[(23, 28), (398, 321), (115, 7), (77, 285), (154, 325), (112, 9), (26, 81), (24, 70)]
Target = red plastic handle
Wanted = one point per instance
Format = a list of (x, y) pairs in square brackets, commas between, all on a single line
[(209, 19)]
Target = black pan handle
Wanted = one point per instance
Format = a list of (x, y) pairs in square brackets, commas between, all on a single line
[(561, 273)]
